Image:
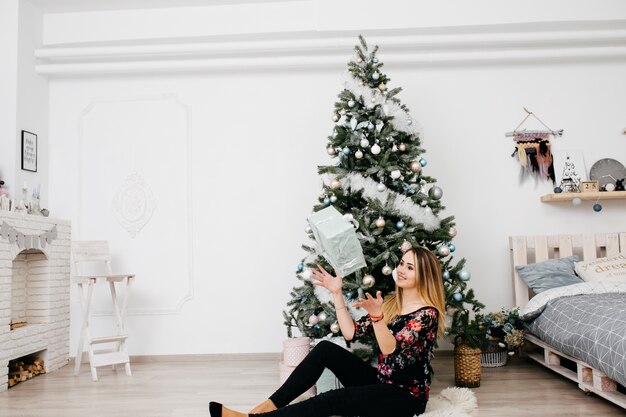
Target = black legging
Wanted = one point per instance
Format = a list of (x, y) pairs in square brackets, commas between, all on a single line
[(362, 396)]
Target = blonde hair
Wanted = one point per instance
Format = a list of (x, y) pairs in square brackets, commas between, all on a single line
[(429, 287)]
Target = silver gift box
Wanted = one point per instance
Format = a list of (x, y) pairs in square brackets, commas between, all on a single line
[(337, 241)]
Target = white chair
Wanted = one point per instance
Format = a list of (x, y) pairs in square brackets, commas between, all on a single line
[(96, 253)]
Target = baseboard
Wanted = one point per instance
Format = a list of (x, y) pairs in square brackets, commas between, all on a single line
[(204, 357)]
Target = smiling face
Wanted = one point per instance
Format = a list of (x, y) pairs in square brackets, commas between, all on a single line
[(406, 271)]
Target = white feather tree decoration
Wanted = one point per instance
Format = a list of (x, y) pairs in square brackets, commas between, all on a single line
[(404, 205)]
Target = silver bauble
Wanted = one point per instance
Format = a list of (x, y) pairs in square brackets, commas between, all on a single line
[(335, 327), (443, 250), (331, 151), (335, 117), (380, 222), (322, 316), (394, 148), (452, 232), (308, 229), (368, 281), (387, 270), (375, 76), (333, 198), (402, 147), (375, 149), (364, 143), (395, 174), (416, 166), (358, 154), (335, 184), (313, 320), (435, 193), (381, 187), (351, 103)]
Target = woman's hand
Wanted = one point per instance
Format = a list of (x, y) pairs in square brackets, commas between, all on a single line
[(373, 306), (326, 280)]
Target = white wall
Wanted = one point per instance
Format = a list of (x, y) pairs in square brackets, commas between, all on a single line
[(245, 142), (32, 101), (8, 86), (24, 97)]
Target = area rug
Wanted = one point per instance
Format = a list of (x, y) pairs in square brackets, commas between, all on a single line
[(452, 402)]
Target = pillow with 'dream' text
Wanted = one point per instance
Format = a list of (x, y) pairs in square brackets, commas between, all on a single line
[(609, 269)]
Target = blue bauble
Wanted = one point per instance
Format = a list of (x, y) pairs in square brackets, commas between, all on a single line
[(452, 247), (597, 207), (457, 296), (446, 275), (400, 225), (557, 190), (464, 275), (423, 162), (300, 267), (327, 201), (375, 60), (346, 151)]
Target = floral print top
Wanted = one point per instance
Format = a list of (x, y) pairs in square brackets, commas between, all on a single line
[(408, 366)]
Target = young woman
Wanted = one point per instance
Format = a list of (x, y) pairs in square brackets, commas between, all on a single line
[(405, 325)]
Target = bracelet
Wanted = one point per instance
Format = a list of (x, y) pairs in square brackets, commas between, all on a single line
[(376, 319), (341, 308)]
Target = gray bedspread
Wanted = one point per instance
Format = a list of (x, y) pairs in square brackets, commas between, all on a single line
[(589, 327)]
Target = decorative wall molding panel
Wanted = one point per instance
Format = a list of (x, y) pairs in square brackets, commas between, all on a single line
[(549, 41), (133, 204), (119, 130)]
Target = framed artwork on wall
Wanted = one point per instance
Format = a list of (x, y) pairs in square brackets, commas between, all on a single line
[(29, 151)]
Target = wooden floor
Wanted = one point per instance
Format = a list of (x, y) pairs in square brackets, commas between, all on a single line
[(183, 389)]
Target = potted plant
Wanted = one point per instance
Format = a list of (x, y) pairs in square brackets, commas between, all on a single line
[(504, 336), (469, 336)]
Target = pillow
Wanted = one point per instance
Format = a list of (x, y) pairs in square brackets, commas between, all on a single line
[(549, 274), (610, 269)]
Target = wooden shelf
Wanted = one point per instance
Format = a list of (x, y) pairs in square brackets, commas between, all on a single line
[(595, 195)]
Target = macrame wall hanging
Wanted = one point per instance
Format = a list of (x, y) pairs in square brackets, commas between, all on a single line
[(532, 148)]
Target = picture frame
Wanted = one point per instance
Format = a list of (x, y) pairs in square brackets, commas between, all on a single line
[(569, 169), (29, 151)]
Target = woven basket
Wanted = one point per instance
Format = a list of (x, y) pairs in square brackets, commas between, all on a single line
[(466, 365), (493, 355), (295, 350)]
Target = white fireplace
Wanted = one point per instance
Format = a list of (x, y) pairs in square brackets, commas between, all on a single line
[(34, 290)]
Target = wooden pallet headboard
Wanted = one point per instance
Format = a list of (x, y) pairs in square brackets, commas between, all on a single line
[(530, 249)]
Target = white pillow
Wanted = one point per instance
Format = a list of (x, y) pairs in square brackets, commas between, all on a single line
[(610, 269)]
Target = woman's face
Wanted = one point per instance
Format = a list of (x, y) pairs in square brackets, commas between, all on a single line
[(407, 275)]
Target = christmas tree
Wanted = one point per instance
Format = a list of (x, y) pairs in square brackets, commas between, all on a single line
[(378, 181)]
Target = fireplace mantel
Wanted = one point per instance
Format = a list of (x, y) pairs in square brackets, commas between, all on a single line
[(35, 288)]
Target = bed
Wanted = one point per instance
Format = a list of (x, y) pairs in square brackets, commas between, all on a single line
[(579, 330)]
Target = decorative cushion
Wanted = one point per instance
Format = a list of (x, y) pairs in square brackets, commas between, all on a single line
[(549, 274), (609, 269)]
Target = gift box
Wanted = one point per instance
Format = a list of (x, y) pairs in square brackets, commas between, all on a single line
[(295, 350), (337, 241)]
